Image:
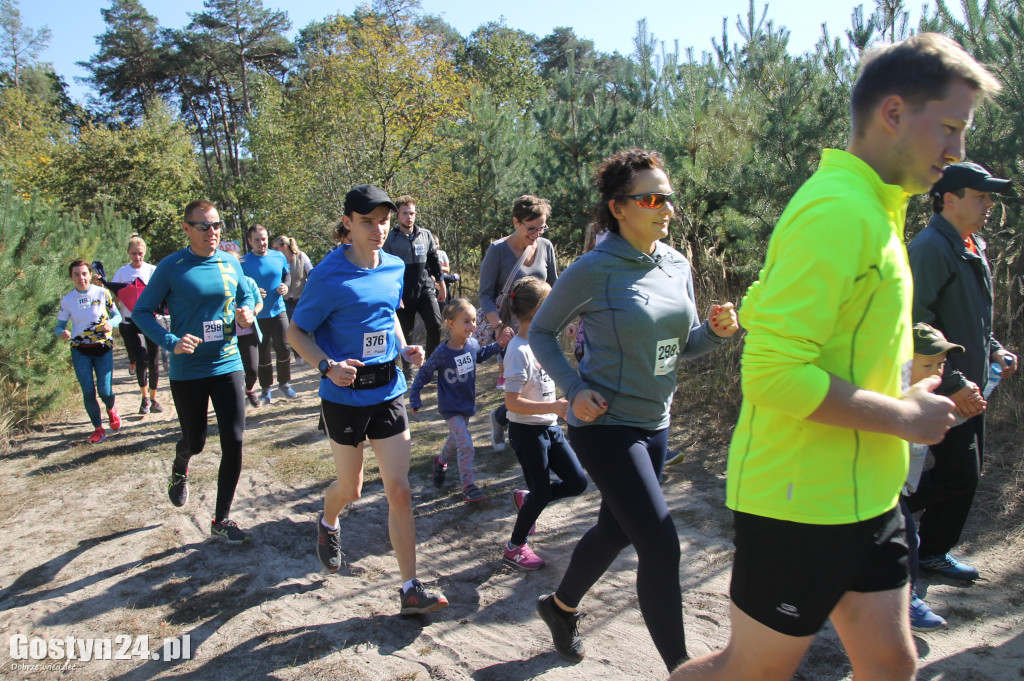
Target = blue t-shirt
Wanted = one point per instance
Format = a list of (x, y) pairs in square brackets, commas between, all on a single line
[(456, 379), (268, 272), (351, 313), (201, 296)]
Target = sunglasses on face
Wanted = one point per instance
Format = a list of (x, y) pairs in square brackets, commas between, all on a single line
[(536, 230), (651, 201), (205, 226)]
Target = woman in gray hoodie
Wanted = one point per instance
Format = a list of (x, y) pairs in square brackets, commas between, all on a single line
[(635, 296)]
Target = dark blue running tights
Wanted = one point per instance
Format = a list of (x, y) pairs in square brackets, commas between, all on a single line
[(625, 464)]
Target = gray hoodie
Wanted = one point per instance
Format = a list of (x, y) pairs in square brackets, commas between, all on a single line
[(640, 317)]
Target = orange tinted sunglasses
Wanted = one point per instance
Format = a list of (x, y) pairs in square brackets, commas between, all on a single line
[(651, 201)]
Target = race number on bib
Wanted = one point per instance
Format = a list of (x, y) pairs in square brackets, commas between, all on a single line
[(213, 330), (84, 303), (419, 249), (374, 343), (667, 357), (464, 364)]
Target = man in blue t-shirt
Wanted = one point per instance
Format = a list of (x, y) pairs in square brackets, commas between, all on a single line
[(205, 295), (269, 269)]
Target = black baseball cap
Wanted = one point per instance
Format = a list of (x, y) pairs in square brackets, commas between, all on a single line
[(363, 198), (957, 176), (929, 341)]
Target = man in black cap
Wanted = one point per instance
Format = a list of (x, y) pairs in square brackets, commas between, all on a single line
[(953, 293)]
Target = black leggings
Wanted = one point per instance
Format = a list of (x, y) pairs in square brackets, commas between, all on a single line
[(142, 352), (625, 463), (541, 449), (249, 349), (191, 400), (274, 329)]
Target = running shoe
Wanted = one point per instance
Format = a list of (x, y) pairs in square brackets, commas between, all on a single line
[(266, 396), (114, 418), (155, 407), (177, 488), (98, 435), (948, 566), (131, 369), (419, 601), (564, 627), (253, 398), (471, 494), (497, 432), (144, 407), (523, 557), (921, 616), (519, 498), (228, 531), (328, 545), (674, 458), (288, 391), (440, 469)]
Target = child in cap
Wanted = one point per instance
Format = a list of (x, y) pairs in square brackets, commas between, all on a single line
[(930, 350)]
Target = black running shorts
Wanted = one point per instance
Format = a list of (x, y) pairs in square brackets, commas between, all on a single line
[(349, 425), (789, 576)]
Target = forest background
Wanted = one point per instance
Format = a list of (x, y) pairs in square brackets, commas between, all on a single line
[(275, 131)]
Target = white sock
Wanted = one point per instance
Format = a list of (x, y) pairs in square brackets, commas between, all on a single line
[(407, 585), (332, 528)]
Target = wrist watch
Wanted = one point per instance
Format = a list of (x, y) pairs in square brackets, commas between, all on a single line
[(324, 366)]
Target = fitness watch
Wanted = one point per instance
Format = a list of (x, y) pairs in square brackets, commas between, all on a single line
[(324, 366)]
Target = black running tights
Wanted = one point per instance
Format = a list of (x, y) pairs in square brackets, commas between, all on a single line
[(191, 400)]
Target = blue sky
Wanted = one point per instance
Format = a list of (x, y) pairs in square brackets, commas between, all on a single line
[(611, 25)]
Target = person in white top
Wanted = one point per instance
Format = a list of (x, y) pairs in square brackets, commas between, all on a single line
[(142, 352)]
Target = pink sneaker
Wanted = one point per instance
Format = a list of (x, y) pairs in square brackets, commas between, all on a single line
[(519, 498), (501, 383), (115, 419), (98, 435), (523, 557)]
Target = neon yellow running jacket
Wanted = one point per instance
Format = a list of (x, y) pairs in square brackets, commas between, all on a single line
[(834, 297)]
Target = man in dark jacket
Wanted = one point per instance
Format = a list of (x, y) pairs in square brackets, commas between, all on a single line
[(953, 293), (415, 246)]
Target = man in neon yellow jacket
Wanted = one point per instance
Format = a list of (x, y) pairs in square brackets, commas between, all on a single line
[(820, 454)]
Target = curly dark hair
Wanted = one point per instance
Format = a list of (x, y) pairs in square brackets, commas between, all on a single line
[(614, 177)]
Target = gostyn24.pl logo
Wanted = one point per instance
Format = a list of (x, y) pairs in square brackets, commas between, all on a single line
[(72, 648)]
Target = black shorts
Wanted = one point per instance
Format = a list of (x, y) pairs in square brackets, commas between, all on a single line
[(348, 425), (789, 576)]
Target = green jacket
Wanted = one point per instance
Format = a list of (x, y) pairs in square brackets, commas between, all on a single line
[(834, 297)]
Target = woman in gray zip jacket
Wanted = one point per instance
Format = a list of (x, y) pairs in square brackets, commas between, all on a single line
[(635, 295)]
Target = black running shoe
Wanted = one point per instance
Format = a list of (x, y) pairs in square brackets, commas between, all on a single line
[(155, 407), (565, 628), (328, 545), (439, 470), (177, 488), (419, 601), (228, 531)]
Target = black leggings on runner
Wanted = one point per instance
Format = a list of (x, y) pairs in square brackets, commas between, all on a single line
[(274, 329), (542, 450), (191, 400), (249, 349), (142, 352), (625, 463)]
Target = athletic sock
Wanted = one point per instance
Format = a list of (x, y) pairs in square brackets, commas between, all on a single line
[(333, 528), (407, 585)]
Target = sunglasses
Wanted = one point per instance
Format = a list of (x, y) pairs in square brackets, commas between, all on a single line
[(536, 230), (651, 201), (205, 226)]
